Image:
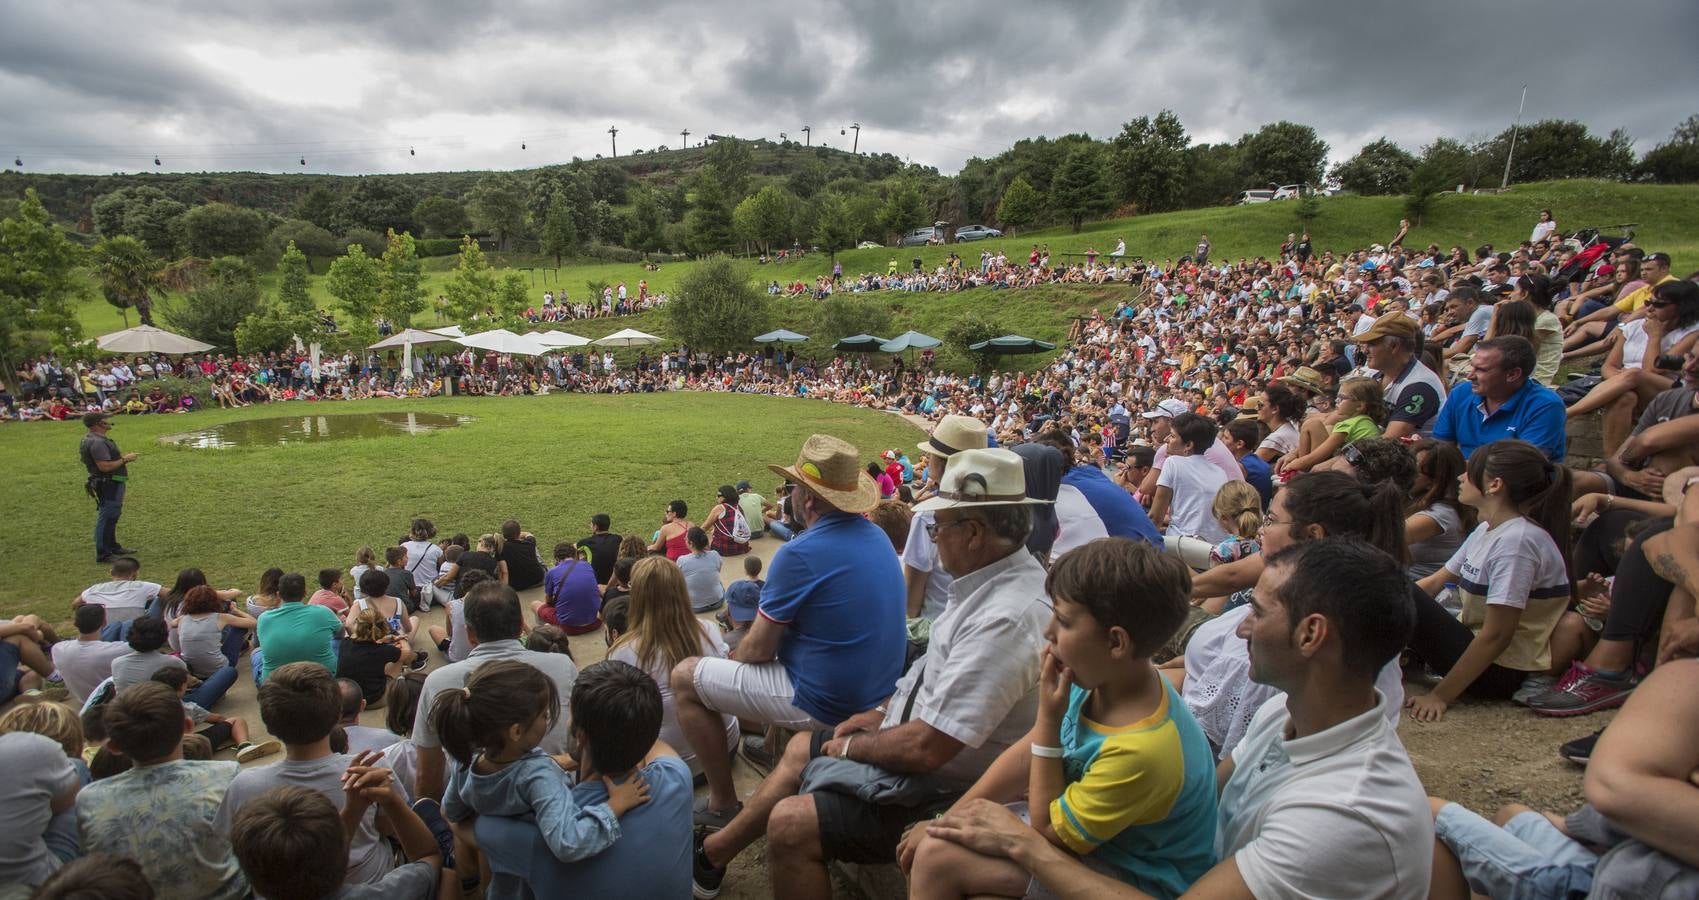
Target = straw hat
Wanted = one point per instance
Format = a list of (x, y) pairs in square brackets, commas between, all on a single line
[(831, 467), (955, 434), (1306, 379), (994, 477)]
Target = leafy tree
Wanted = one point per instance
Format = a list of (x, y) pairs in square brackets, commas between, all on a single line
[(310, 239), (369, 241), (1677, 159), (401, 285), (836, 227), (439, 216), (1307, 209), (1444, 164), (560, 235), (904, 208), (708, 225), (129, 276), (1283, 153), (40, 286), (808, 179), (970, 329), (510, 300), (1079, 189), (377, 203), (497, 205), (1380, 168), (1021, 205), (1212, 174), (285, 316), (142, 212), (471, 289), (219, 229), (716, 307), (765, 217), (227, 295), (1148, 159), (356, 281), (730, 159), (609, 183), (606, 225), (320, 206), (645, 229), (1558, 148), (844, 314)]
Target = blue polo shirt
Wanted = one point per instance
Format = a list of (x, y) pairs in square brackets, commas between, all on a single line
[(838, 590), (1534, 414), (1122, 515)]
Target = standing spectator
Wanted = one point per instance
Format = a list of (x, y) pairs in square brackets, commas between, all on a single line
[(108, 476)]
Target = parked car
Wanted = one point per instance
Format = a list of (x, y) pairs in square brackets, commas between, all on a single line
[(868, 245), (919, 237), (1289, 192), (1253, 197), (976, 233)]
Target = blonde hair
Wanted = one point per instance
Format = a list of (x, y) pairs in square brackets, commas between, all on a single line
[(494, 542), (54, 720), (370, 626), (1240, 506), (660, 622), (1369, 393)]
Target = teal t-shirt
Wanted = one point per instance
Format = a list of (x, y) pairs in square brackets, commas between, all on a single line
[(298, 632)]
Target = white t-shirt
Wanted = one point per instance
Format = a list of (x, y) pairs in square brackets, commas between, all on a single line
[(1217, 453), (1282, 440), (124, 600), (1634, 341), (1194, 482), (1352, 784), (713, 646), (921, 554), (37, 773), (85, 664), (1516, 564), (423, 560)]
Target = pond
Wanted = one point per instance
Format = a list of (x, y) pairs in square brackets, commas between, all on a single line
[(312, 429)]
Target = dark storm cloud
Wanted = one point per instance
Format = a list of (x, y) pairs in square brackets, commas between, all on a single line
[(352, 85)]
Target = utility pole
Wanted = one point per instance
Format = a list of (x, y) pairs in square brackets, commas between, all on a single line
[(857, 145), (613, 137), (685, 136), (1513, 129), (807, 135)]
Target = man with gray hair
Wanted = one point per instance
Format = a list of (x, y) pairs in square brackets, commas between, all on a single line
[(927, 581), (849, 793), (1414, 392)]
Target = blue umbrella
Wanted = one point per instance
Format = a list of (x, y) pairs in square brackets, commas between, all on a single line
[(781, 336), (909, 340)]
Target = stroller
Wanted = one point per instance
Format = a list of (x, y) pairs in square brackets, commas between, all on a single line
[(1591, 247)]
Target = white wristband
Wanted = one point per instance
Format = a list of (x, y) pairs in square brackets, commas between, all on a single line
[(1043, 752)]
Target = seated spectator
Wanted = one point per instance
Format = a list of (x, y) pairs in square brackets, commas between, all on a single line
[(743, 597), (295, 631), (662, 633), (571, 600), (1242, 436), (1632, 376), (87, 661), (360, 738), (364, 559), (755, 508), (1357, 415), (372, 654), (219, 731), (329, 594), (201, 628), (1327, 736), (1237, 508), (284, 837), (424, 563), (147, 655), (125, 597), (163, 811), (266, 597), (1501, 400), (401, 585), (400, 713), (670, 539), (451, 639), (1665, 439), (1436, 520), (926, 582), (37, 784), (99, 875), (701, 568), (603, 547), (1187, 485), (520, 556), (376, 585), (728, 531), (1512, 577), (1116, 771), (486, 558), (300, 706), (616, 717)]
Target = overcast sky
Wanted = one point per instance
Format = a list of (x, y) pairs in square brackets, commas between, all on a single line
[(105, 86)]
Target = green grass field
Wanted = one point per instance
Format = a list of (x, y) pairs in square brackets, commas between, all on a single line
[(550, 462)]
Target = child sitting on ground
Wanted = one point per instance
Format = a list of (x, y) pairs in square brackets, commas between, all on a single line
[(329, 594), (401, 709), (1238, 508), (1115, 769), (39, 789), (220, 731), (452, 640), (491, 729), (1358, 414), (742, 596), (1187, 486)]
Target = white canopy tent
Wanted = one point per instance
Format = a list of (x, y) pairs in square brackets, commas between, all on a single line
[(148, 339), (452, 331)]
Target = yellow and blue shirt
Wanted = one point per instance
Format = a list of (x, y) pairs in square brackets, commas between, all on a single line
[(1139, 798)]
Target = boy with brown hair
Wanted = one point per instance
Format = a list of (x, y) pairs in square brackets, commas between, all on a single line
[(220, 731)]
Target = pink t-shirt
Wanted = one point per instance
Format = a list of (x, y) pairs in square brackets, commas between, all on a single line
[(330, 600)]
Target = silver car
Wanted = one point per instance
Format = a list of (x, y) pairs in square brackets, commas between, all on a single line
[(976, 233)]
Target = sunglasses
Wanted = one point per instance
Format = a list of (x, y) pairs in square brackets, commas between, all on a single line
[(1660, 304)]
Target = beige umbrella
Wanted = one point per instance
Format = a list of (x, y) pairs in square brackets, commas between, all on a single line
[(148, 339), (627, 337), (405, 340)]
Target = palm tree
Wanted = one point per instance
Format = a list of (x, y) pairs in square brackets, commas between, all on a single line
[(129, 276)]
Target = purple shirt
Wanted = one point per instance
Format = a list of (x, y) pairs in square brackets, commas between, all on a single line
[(577, 602)]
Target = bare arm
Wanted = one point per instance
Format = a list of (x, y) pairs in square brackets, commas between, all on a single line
[(429, 780), (1219, 581), (915, 581), (1421, 527), (761, 644), (913, 746), (1640, 773)]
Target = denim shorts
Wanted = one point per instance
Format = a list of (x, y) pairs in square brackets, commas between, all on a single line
[(1527, 859)]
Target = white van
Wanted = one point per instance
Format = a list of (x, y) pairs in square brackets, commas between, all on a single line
[(1253, 197)]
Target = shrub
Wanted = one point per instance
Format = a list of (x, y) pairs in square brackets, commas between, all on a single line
[(436, 246)]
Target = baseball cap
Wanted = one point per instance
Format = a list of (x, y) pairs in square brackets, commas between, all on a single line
[(1168, 408), (743, 485)]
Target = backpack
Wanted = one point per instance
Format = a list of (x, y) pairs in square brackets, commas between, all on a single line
[(740, 526)]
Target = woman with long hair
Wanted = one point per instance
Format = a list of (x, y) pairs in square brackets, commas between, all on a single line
[(721, 523), (1512, 581), (1435, 520), (1671, 327), (234, 639), (675, 522), (660, 633), (266, 597), (372, 655)]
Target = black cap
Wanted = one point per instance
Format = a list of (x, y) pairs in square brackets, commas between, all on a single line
[(743, 485), (94, 418)]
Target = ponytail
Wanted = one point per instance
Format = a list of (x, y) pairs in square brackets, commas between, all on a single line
[(500, 694), (1343, 505), (1239, 504), (1536, 486), (1386, 520)]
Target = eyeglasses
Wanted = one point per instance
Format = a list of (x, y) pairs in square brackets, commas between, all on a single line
[(1268, 521), (932, 528)]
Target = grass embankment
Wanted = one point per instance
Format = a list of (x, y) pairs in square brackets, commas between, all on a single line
[(550, 462)]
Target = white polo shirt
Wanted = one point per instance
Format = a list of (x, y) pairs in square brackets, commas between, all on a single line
[(1336, 814), (124, 600)]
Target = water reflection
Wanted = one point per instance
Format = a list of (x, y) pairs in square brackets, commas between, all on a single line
[(308, 429)]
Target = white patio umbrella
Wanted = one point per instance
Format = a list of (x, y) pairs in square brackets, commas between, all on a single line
[(558, 339), (148, 339), (452, 331), (501, 340), (627, 337), (405, 340)]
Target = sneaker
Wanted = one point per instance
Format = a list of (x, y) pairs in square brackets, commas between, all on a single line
[(705, 877), (248, 752), (755, 753), (711, 820), (1535, 685), (1580, 750), (1589, 693), (419, 662)]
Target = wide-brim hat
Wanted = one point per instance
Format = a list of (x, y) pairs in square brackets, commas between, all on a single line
[(1393, 323), (994, 477), (831, 467), (1305, 378), (953, 435)]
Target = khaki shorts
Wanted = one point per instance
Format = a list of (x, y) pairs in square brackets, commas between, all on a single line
[(760, 692)]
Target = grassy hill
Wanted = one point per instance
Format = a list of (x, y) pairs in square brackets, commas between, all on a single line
[(1668, 218)]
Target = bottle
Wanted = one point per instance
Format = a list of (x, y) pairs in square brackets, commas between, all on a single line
[(1450, 598)]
